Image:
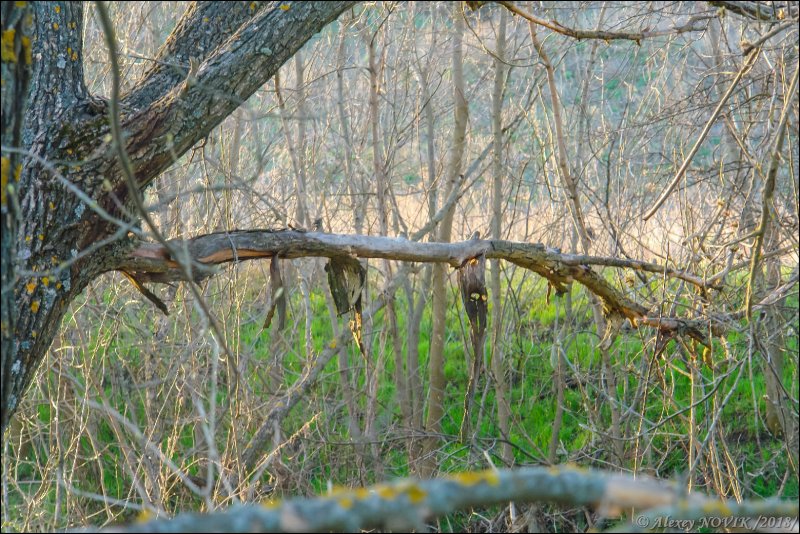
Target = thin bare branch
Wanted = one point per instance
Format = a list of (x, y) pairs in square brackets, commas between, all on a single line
[(748, 62), (690, 26)]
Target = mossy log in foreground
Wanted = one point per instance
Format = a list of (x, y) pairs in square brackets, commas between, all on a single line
[(406, 504)]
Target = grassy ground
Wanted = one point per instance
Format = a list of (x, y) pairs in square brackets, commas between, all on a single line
[(112, 338)]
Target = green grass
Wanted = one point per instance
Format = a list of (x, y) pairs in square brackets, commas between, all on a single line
[(121, 349)]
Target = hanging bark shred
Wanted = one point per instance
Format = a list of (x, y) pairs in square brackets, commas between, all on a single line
[(346, 278), (146, 292), (277, 296), (472, 283)]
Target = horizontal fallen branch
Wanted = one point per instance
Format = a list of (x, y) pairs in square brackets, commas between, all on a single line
[(407, 504), (158, 263), (637, 37)]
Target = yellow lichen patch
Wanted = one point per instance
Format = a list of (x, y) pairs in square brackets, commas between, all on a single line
[(338, 490), (45, 281), (7, 51), (72, 25), (205, 19), (345, 502), (285, 7), (55, 25), (35, 306), (5, 170), (270, 504), (74, 56), (30, 286), (41, 237), (415, 494), (575, 468), (58, 285), (472, 478), (26, 49), (34, 333), (52, 206), (144, 516), (253, 6), (20, 4), (386, 492), (716, 508), (332, 344), (57, 9)]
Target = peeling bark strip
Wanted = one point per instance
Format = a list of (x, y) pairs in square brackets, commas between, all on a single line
[(407, 504), (472, 283), (154, 263), (346, 278), (157, 302)]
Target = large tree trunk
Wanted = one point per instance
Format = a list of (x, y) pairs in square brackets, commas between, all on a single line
[(75, 208), (16, 71)]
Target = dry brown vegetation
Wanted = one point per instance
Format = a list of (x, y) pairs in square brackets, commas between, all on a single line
[(632, 170)]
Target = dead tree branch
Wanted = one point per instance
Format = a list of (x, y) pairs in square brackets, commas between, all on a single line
[(769, 11), (154, 263), (690, 26), (407, 504)]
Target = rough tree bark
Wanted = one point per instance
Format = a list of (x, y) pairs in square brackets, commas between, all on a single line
[(74, 207), (16, 72)]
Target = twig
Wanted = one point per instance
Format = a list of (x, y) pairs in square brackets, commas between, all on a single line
[(606, 35), (749, 60), (769, 189)]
